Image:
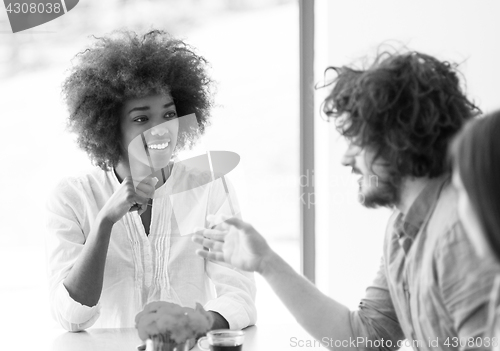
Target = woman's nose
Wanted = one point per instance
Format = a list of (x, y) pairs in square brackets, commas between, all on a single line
[(160, 129)]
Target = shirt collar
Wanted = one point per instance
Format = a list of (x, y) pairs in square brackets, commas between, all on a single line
[(409, 224)]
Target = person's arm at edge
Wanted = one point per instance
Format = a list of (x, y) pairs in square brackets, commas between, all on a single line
[(320, 315), (317, 313)]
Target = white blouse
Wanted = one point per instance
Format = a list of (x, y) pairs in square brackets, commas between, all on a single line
[(142, 268)]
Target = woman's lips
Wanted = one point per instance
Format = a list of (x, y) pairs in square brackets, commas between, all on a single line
[(158, 146)]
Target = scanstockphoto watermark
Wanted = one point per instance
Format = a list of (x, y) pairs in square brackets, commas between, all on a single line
[(28, 14), (358, 342), (364, 342), (345, 183)]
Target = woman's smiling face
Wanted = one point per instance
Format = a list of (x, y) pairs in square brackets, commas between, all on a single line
[(149, 129)]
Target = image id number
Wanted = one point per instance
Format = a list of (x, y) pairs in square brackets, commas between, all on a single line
[(26, 7), (471, 342)]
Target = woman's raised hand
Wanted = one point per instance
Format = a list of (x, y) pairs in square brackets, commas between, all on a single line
[(128, 198), (235, 242)]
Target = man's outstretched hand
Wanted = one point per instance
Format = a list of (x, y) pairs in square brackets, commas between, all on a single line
[(235, 242)]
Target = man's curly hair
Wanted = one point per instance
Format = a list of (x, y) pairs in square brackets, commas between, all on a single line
[(406, 107), (124, 66)]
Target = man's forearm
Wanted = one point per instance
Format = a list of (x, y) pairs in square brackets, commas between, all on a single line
[(318, 314), (84, 281)]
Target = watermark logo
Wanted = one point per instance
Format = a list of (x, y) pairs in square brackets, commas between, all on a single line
[(28, 14), (344, 185)]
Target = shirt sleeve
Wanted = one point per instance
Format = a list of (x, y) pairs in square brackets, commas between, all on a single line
[(235, 295), (465, 282), (64, 242), (235, 289), (376, 318)]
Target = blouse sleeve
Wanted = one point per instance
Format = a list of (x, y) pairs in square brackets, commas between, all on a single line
[(65, 238), (235, 288)]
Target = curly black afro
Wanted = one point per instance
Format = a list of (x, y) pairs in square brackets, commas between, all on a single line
[(406, 107), (124, 66)]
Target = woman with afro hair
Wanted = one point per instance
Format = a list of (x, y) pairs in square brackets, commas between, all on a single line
[(118, 237)]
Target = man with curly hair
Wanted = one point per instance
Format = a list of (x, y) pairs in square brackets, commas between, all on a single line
[(398, 117), (116, 242)]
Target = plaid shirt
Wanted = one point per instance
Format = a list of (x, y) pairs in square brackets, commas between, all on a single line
[(431, 288)]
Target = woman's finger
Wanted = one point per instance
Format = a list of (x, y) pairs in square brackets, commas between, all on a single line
[(145, 190), (142, 209), (143, 194), (134, 207), (140, 199), (138, 204), (150, 181)]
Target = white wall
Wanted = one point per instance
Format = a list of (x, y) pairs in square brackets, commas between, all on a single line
[(466, 32)]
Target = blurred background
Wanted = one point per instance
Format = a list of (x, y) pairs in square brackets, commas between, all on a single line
[(253, 48)]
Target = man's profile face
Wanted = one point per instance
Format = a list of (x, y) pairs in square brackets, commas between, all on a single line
[(375, 186)]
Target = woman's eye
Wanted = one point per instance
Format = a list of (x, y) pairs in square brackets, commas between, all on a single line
[(170, 115), (141, 119)]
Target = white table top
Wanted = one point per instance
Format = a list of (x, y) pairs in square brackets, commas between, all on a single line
[(286, 336)]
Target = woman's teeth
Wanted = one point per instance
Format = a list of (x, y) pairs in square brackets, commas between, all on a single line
[(158, 146)]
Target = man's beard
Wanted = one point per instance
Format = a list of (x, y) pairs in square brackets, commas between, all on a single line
[(386, 193)]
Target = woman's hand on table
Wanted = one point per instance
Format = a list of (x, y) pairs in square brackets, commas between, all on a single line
[(219, 321), (128, 198), (235, 242)]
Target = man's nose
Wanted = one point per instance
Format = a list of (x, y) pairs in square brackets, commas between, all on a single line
[(349, 155), (346, 159)]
